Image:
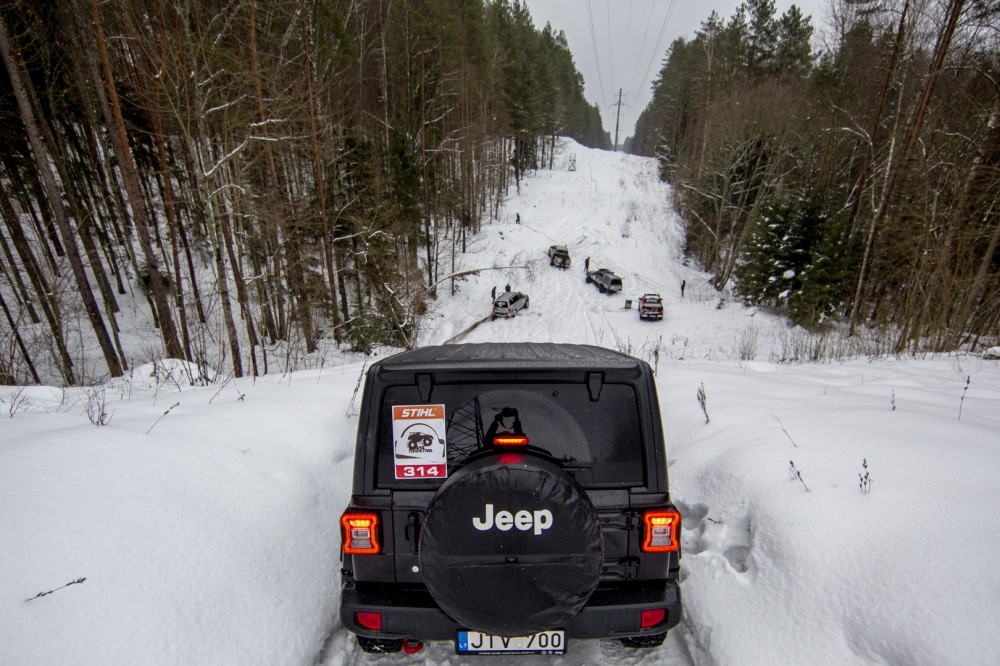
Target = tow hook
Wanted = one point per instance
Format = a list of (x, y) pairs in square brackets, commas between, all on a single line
[(410, 647)]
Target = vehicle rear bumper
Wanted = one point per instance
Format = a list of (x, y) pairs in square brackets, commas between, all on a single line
[(612, 612)]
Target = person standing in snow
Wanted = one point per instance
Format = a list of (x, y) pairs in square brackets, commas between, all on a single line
[(493, 294), (518, 220), (507, 288), (586, 264), (683, 284)]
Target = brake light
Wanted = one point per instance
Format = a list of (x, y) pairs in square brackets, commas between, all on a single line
[(360, 533), (652, 617), (369, 620), (510, 440), (662, 529)]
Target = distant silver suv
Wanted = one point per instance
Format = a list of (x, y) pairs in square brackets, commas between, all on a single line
[(508, 303), (606, 281)]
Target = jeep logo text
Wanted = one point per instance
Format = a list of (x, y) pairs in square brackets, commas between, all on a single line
[(538, 520)]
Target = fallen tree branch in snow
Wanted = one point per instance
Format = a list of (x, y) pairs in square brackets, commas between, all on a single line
[(42, 594)]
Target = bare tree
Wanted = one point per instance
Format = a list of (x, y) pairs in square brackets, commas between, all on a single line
[(35, 127)]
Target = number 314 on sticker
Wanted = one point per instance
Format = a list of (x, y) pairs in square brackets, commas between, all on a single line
[(419, 450), (420, 471)]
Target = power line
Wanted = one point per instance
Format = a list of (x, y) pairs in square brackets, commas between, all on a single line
[(627, 41), (642, 44), (656, 48), (611, 60), (597, 60), (633, 92)]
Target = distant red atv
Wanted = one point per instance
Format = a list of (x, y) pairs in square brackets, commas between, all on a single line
[(650, 306)]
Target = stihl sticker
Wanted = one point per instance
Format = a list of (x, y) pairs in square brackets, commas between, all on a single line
[(418, 446)]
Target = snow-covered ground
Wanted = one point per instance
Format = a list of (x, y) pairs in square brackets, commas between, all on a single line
[(199, 525)]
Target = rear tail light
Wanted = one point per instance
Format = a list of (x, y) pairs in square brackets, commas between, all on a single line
[(662, 531), (360, 533), (652, 617), (510, 440), (369, 620)]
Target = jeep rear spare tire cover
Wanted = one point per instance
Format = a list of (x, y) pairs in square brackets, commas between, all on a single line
[(511, 545)]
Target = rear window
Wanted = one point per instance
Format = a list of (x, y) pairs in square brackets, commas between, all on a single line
[(599, 442)]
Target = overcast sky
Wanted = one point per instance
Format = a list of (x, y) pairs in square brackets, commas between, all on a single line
[(621, 44)]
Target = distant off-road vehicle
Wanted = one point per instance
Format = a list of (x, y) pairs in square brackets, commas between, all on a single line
[(559, 256), (605, 280), (508, 303), (650, 306), (540, 514)]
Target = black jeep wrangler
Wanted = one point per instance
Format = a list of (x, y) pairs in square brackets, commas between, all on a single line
[(510, 497)]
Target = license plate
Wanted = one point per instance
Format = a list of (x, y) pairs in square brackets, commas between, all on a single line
[(544, 642)]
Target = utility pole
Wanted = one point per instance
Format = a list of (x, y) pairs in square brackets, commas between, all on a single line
[(617, 115)]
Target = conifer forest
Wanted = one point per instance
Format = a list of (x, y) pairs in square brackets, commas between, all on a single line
[(268, 177)]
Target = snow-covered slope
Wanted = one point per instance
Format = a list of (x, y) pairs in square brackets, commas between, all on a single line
[(204, 519), (612, 210)]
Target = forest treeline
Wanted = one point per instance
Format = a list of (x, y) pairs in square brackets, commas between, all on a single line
[(858, 182), (266, 175)]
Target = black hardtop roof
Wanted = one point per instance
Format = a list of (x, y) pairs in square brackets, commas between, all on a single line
[(510, 355)]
